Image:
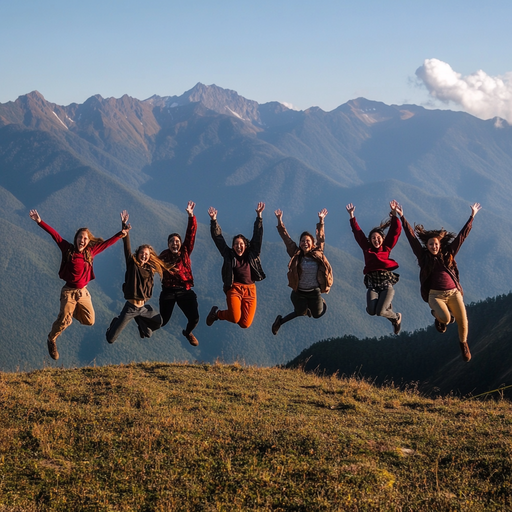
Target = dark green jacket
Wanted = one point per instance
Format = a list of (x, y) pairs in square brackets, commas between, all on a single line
[(252, 253)]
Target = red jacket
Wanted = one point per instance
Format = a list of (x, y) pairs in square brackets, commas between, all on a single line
[(378, 259), (182, 274), (76, 271)]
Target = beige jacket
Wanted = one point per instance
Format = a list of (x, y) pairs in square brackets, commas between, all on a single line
[(324, 276)]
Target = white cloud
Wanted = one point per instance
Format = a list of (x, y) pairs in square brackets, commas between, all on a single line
[(479, 94), (288, 105)]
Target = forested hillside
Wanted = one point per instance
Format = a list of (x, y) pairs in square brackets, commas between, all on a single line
[(425, 358)]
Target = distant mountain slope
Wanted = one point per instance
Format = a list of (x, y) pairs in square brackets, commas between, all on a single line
[(217, 99), (444, 153), (82, 164), (425, 357)]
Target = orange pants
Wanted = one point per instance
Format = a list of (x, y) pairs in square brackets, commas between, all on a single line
[(241, 302)]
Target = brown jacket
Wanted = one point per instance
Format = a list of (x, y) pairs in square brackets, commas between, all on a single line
[(324, 275)]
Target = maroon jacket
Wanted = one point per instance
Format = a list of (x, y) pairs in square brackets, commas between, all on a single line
[(182, 275), (426, 259), (76, 271), (377, 259)]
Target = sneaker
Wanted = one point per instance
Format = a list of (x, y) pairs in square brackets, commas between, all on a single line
[(324, 309), (397, 324), (464, 348), (212, 316), (191, 338), (107, 336), (276, 325), (439, 326), (52, 349)]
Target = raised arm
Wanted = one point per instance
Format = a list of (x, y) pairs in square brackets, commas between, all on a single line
[(279, 217), (63, 244), (464, 232), (415, 244), (212, 212), (35, 216), (320, 231), (216, 231), (291, 246), (257, 234), (259, 209), (124, 219), (358, 233), (125, 228), (126, 239), (475, 208), (190, 236), (190, 208), (395, 229)]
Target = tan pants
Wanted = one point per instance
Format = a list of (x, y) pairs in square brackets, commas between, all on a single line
[(445, 303), (74, 303)]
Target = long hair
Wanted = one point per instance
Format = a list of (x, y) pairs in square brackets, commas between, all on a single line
[(156, 264), (445, 238), (380, 229), (87, 251)]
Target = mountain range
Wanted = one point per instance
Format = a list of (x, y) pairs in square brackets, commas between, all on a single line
[(82, 164)]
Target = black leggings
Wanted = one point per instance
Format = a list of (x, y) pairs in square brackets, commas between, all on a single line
[(187, 302), (304, 301)]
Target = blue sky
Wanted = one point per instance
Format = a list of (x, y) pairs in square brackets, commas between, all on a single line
[(304, 53)]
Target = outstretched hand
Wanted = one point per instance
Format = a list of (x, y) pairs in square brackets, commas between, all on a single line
[(350, 209), (124, 217), (35, 216), (396, 208), (475, 208), (212, 212), (260, 208), (190, 208), (322, 213), (279, 215)]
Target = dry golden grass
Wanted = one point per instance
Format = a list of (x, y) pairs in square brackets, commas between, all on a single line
[(229, 437)]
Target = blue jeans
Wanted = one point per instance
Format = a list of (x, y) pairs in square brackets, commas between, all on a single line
[(147, 319)]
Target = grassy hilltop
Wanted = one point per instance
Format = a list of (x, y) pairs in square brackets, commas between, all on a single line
[(228, 437)]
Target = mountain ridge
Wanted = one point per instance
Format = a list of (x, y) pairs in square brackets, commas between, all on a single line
[(151, 159)]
